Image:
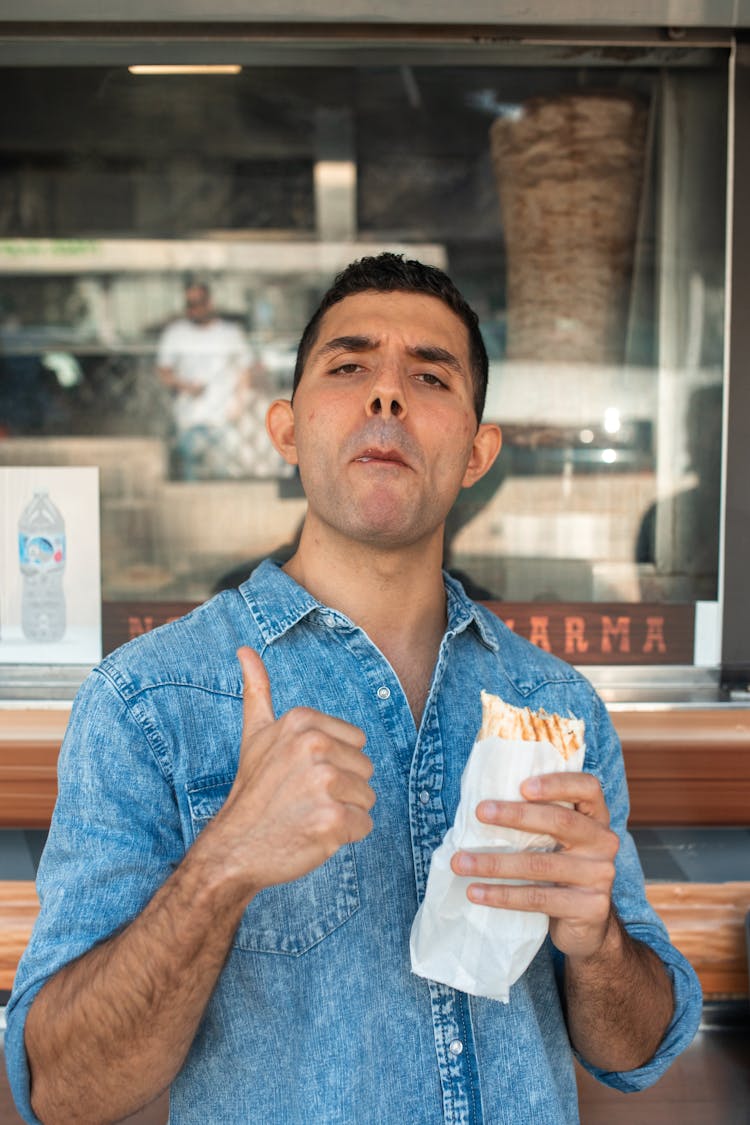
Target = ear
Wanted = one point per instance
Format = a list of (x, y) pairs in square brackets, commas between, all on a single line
[(487, 442), (280, 427)]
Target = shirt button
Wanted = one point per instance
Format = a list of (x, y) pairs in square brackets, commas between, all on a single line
[(329, 620), (424, 797), (384, 692), (455, 1047)]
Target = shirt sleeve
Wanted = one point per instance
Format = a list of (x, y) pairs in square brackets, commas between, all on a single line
[(115, 837), (639, 918), (242, 348), (168, 352)]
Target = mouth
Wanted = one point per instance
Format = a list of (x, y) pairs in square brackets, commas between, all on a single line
[(371, 455)]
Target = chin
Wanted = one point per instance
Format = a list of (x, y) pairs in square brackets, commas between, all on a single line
[(385, 525), (388, 535)]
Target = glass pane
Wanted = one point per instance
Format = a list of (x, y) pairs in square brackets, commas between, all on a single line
[(164, 240)]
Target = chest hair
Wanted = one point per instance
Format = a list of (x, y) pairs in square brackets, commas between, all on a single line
[(415, 676)]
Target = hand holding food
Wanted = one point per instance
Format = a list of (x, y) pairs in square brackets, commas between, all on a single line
[(455, 938), (571, 884)]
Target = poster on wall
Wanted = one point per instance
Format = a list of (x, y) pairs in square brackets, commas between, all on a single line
[(50, 579)]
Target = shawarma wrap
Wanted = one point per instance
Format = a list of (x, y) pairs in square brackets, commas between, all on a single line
[(467, 945)]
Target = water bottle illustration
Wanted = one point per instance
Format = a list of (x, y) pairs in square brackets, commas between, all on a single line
[(41, 549)]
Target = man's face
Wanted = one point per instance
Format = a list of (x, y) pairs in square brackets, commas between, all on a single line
[(383, 426), (198, 307)]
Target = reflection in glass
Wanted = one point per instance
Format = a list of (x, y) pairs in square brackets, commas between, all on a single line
[(580, 210), (204, 362)]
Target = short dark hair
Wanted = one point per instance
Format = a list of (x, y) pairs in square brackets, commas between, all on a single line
[(392, 273)]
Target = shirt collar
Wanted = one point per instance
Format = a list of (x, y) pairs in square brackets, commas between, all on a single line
[(278, 603), (462, 612)]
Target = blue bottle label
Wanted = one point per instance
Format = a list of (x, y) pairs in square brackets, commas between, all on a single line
[(41, 551)]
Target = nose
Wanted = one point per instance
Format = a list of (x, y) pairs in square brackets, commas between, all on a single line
[(386, 395)]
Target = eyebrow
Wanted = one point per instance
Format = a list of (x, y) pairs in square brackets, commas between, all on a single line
[(430, 353), (348, 344)]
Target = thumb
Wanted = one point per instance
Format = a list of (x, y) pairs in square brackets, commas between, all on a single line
[(257, 707)]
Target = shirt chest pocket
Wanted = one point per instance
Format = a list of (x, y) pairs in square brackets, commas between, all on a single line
[(293, 917)]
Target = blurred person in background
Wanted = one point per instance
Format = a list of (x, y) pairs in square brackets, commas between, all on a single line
[(205, 362)]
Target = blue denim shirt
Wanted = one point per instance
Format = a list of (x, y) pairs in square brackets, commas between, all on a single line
[(317, 1015)]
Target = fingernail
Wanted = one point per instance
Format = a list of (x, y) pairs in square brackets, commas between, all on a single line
[(476, 894), (465, 863), (532, 786)]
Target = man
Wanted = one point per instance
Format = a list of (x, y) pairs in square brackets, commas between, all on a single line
[(226, 907), (204, 362)]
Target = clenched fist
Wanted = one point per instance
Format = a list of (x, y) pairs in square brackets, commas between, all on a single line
[(301, 791)]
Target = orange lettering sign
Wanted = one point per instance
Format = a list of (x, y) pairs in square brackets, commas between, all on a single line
[(654, 635), (619, 629), (539, 633), (138, 625), (575, 635)]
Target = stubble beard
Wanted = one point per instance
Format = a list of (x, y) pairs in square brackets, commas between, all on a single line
[(384, 514)]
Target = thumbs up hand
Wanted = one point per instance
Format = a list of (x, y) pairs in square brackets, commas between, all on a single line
[(257, 706), (301, 790)]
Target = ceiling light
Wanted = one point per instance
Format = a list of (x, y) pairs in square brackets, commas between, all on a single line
[(184, 68)]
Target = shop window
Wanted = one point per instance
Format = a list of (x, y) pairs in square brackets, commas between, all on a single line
[(581, 211)]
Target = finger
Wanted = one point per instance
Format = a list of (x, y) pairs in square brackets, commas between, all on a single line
[(351, 761), (306, 722), (359, 824), (257, 707), (580, 789), (351, 789), (568, 826), (573, 904), (560, 868)]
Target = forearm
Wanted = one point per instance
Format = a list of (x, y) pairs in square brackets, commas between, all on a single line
[(239, 399), (109, 1032), (168, 378), (172, 382), (619, 1001)]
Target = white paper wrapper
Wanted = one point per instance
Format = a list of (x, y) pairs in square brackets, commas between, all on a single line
[(475, 948)]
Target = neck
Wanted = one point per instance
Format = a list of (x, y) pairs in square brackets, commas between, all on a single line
[(396, 595)]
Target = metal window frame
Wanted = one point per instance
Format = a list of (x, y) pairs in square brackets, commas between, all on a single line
[(535, 13), (735, 656)]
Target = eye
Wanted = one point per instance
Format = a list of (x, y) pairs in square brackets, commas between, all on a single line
[(430, 379), (344, 369)]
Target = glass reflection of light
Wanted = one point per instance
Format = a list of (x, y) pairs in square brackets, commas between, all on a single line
[(611, 419)]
